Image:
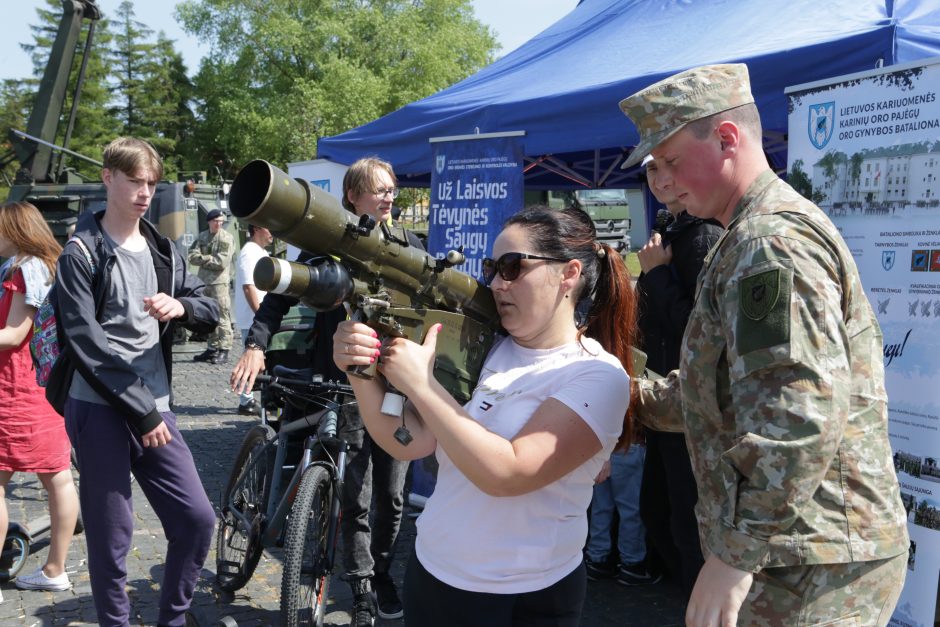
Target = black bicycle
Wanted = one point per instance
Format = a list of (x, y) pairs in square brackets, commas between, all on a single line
[(262, 507)]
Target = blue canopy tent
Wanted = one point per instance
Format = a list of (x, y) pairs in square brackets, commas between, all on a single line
[(562, 87)]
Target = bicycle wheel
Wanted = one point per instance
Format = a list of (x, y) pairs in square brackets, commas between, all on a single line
[(306, 578), (15, 553), (238, 549)]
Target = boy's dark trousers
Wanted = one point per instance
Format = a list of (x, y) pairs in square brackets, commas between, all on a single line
[(107, 452)]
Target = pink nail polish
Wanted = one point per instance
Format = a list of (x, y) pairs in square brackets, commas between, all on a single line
[(374, 334), (371, 360)]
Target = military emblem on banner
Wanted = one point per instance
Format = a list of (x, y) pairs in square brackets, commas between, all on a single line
[(821, 123), (439, 163), (887, 259), (919, 259)]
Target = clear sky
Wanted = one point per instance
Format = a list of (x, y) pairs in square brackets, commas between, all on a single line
[(515, 22)]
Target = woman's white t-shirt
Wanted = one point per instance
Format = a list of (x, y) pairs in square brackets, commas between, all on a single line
[(507, 545)]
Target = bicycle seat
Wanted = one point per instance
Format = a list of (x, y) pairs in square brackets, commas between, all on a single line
[(302, 374)]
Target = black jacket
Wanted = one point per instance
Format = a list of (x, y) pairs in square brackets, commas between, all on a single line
[(79, 300), (668, 292)]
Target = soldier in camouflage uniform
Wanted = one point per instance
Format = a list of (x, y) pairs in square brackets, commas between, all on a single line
[(780, 389), (213, 253)]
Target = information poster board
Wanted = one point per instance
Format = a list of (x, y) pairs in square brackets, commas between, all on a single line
[(866, 148)]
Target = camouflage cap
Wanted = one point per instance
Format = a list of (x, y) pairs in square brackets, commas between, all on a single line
[(662, 109)]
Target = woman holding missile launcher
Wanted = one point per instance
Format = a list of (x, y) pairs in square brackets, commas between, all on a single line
[(499, 541)]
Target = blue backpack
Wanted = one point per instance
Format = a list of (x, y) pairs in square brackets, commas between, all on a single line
[(44, 345)]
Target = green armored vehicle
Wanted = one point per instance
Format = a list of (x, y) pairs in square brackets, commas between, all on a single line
[(607, 207)]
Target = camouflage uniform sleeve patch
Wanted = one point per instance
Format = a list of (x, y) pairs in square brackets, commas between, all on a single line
[(763, 318)]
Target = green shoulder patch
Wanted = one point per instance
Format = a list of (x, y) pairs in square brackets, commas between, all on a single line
[(763, 319), (759, 294)]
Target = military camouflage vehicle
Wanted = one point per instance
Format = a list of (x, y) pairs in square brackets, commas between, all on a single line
[(607, 207)]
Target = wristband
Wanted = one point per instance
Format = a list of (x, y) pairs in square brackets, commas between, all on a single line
[(251, 346)]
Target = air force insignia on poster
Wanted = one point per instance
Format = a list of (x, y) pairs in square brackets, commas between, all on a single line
[(887, 259), (821, 123), (440, 162)]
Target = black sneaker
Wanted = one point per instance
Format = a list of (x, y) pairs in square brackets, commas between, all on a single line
[(389, 605), (251, 408), (636, 575), (205, 355), (364, 605), (599, 570)]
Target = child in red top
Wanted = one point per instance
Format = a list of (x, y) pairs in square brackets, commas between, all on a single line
[(32, 434)]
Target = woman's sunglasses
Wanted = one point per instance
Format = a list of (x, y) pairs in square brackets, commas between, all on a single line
[(509, 265)]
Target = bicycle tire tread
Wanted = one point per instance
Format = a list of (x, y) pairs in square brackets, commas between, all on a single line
[(244, 566), (315, 489)]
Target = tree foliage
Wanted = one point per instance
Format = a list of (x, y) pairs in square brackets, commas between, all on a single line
[(284, 73), (94, 125), (801, 182), (280, 74)]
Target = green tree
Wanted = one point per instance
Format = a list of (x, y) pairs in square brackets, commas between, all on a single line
[(855, 167), (830, 164), (151, 88), (284, 73), (802, 183), (166, 93), (129, 57), (14, 105), (799, 180), (94, 125)]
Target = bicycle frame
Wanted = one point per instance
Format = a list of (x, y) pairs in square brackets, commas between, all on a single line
[(315, 453)]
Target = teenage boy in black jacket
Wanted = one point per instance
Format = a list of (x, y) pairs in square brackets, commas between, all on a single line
[(117, 320), (671, 262)]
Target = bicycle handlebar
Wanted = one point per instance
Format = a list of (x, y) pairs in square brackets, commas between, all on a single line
[(306, 386)]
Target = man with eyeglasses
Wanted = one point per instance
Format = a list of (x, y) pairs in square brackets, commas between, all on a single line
[(213, 253), (369, 188)]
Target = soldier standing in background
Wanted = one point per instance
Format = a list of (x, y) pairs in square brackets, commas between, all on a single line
[(780, 389), (213, 253)]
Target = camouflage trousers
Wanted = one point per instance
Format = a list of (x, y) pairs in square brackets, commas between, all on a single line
[(221, 338), (856, 594)]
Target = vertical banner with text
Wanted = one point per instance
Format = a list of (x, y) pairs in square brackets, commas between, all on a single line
[(476, 184), (866, 149)]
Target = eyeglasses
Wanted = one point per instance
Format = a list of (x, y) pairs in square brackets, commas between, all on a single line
[(381, 193), (509, 266)]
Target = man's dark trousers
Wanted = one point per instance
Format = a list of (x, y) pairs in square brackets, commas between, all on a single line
[(108, 452)]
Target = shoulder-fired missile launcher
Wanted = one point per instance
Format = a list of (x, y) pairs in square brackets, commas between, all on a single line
[(394, 287)]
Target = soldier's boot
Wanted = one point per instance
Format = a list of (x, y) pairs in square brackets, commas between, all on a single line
[(220, 357), (206, 355)]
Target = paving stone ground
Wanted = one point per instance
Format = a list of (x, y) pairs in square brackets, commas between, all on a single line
[(214, 430)]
